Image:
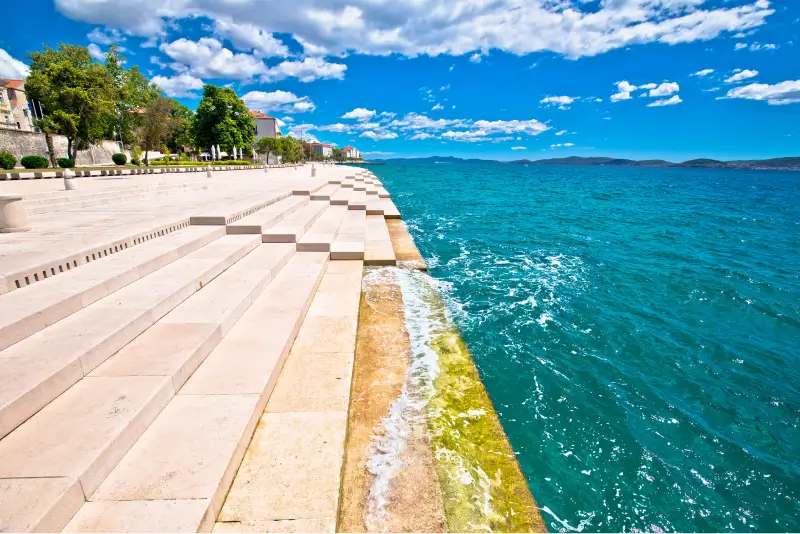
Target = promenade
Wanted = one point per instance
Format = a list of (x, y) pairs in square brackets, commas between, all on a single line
[(160, 333)]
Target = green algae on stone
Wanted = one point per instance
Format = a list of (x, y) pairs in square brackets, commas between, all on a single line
[(482, 483)]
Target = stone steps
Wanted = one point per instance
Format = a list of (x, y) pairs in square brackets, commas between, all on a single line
[(39, 368), (319, 237), (342, 196), (325, 193), (31, 309), (176, 476), (261, 221), (349, 241), (378, 248), (291, 229)]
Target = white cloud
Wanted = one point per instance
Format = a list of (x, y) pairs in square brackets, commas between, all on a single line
[(280, 122), (11, 67), (665, 89), (248, 37), (437, 106), (379, 136), (665, 102), (417, 121), (421, 135), (338, 127), (753, 47), (741, 75), (466, 136), (444, 87), (561, 132), (307, 70), (180, 85), (625, 89), (433, 27), (96, 52), (359, 114), (530, 127), (278, 101), (107, 37), (561, 101), (787, 92), (562, 145), (207, 58), (704, 72), (519, 148)]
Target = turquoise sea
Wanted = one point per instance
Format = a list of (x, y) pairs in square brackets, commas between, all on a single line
[(638, 330)]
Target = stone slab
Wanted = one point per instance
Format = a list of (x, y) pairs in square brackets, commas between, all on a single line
[(187, 515), (38, 504)]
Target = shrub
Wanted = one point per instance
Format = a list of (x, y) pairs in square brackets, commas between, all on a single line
[(232, 162), (7, 160), (119, 158), (34, 162), (65, 163), (135, 161)]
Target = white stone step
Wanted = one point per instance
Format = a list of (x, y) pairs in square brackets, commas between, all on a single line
[(358, 201), (349, 241), (342, 196), (325, 193), (378, 248), (260, 221), (225, 213), (39, 368), (319, 237), (30, 309), (177, 474), (291, 229)]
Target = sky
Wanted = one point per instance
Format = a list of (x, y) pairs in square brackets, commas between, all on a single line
[(499, 79)]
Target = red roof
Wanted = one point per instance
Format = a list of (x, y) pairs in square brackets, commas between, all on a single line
[(259, 115), (13, 84)]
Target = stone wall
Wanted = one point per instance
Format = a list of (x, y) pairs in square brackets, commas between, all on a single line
[(22, 143)]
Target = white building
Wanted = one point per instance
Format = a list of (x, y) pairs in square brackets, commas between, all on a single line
[(266, 126), (351, 152), (323, 149)]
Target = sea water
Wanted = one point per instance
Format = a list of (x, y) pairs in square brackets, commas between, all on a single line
[(638, 330)]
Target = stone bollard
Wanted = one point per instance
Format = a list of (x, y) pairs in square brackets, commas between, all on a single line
[(13, 217), (69, 180), (208, 172), (313, 171)]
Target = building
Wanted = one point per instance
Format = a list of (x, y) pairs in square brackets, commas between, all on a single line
[(266, 126), (14, 110), (322, 149), (351, 152)]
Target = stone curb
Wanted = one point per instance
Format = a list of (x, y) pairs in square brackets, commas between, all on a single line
[(127, 172)]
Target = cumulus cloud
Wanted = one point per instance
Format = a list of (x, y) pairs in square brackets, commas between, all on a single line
[(518, 148), (179, 86), (704, 72), (307, 70), (338, 127), (248, 37), (96, 52), (434, 27), (278, 101), (437, 106), (207, 58), (107, 37), (562, 145), (665, 89), (379, 136), (625, 89), (741, 75), (787, 92), (665, 102), (421, 135), (754, 47), (561, 132), (11, 67), (359, 114), (562, 102)]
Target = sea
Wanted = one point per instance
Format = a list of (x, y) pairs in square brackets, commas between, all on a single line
[(637, 329)]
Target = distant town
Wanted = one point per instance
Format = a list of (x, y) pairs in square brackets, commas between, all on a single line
[(73, 110)]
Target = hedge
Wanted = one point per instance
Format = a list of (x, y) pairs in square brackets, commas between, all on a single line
[(34, 162), (65, 163), (7, 160), (119, 158)]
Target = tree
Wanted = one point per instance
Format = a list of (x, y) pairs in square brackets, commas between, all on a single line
[(157, 124), (132, 91), (292, 150), (308, 151), (181, 135), (269, 145), (75, 91), (48, 128), (222, 119), (338, 155)]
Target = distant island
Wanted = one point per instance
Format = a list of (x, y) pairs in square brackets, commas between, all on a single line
[(790, 164)]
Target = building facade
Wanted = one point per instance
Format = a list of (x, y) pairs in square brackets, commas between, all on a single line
[(351, 152), (14, 110), (322, 149), (265, 125)]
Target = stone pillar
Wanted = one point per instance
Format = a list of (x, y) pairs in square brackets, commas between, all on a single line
[(313, 171), (13, 217), (69, 180)]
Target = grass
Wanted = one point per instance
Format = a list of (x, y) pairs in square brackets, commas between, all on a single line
[(109, 167)]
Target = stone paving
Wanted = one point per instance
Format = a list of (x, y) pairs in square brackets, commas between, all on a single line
[(151, 330)]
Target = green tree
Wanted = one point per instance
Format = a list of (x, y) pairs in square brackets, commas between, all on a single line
[(308, 151), (48, 128), (270, 145), (338, 155), (222, 119), (75, 91), (181, 135), (292, 150), (156, 125), (132, 91)]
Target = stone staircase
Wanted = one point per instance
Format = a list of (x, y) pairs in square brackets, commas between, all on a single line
[(131, 383)]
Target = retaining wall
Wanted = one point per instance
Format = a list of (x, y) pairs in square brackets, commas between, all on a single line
[(21, 143)]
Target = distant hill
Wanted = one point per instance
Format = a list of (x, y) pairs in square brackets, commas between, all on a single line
[(775, 163)]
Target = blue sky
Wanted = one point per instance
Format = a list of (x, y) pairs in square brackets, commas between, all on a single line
[(508, 79)]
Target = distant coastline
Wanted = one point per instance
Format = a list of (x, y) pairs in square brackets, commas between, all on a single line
[(783, 164)]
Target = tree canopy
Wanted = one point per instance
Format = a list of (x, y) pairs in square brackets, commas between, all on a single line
[(222, 119), (75, 91), (157, 124), (133, 91)]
